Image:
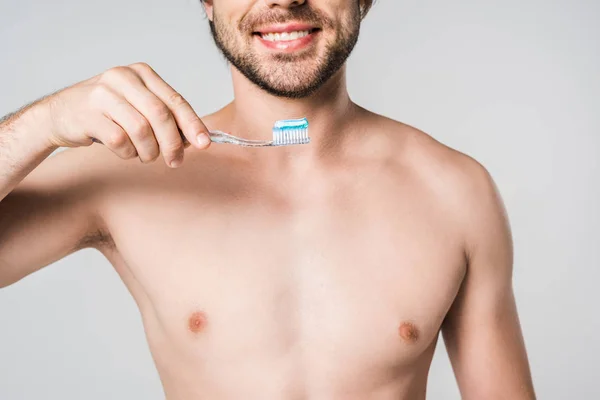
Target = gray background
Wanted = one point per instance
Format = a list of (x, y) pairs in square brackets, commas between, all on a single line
[(512, 83)]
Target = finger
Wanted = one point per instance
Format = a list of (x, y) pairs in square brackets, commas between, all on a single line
[(186, 118), (111, 135), (162, 122), (137, 127), (186, 143)]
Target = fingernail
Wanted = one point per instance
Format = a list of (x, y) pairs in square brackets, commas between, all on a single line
[(203, 139), (175, 163)]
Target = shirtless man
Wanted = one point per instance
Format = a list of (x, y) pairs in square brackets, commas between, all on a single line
[(318, 271)]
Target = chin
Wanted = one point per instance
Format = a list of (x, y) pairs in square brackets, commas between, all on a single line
[(287, 85)]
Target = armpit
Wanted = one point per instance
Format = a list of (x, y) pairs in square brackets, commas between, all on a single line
[(98, 239)]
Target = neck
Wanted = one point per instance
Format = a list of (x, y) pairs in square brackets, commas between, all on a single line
[(253, 111)]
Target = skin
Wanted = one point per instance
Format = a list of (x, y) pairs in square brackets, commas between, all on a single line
[(321, 271)]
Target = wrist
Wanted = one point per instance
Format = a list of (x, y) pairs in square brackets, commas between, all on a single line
[(35, 124)]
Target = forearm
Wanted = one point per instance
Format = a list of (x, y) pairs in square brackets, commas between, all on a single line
[(24, 144)]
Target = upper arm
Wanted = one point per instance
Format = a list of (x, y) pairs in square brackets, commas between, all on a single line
[(49, 215), (482, 331)]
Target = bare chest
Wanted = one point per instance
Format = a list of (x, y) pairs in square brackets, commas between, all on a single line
[(350, 278)]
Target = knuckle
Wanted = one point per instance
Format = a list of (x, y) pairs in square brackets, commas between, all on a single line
[(196, 125), (119, 76), (171, 147), (117, 139), (139, 128), (141, 65), (113, 73), (149, 153), (177, 100), (100, 92), (160, 111), (153, 155), (148, 158)]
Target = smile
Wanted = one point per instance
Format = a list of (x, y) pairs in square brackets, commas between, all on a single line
[(286, 37)]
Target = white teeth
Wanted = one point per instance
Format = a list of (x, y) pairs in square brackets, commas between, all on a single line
[(284, 36)]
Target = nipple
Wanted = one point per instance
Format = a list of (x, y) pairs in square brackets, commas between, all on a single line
[(197, 322), (409, 332)]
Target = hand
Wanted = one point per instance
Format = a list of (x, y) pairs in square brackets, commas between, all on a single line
[(132, 111)]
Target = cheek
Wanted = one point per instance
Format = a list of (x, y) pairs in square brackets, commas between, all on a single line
[(344, 18), (232, 10)]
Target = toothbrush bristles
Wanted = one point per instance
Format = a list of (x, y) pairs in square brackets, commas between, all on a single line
[(290, 131)]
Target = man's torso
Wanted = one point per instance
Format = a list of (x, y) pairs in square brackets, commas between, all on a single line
[(257, 280)]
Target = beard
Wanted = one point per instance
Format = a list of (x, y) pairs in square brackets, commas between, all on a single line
[(289, 75)]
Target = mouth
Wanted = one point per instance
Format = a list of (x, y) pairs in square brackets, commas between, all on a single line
[(287, 37)]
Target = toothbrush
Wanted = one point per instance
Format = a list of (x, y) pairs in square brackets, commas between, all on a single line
[(285, 132)]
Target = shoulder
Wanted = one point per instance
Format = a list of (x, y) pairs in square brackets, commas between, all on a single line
[(445, 169), (456, 181), (457, 176)]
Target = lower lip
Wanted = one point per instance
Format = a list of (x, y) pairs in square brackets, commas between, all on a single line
[(288, 46)]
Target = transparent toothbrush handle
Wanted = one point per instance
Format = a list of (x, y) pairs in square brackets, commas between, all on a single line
[(222, 137)]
